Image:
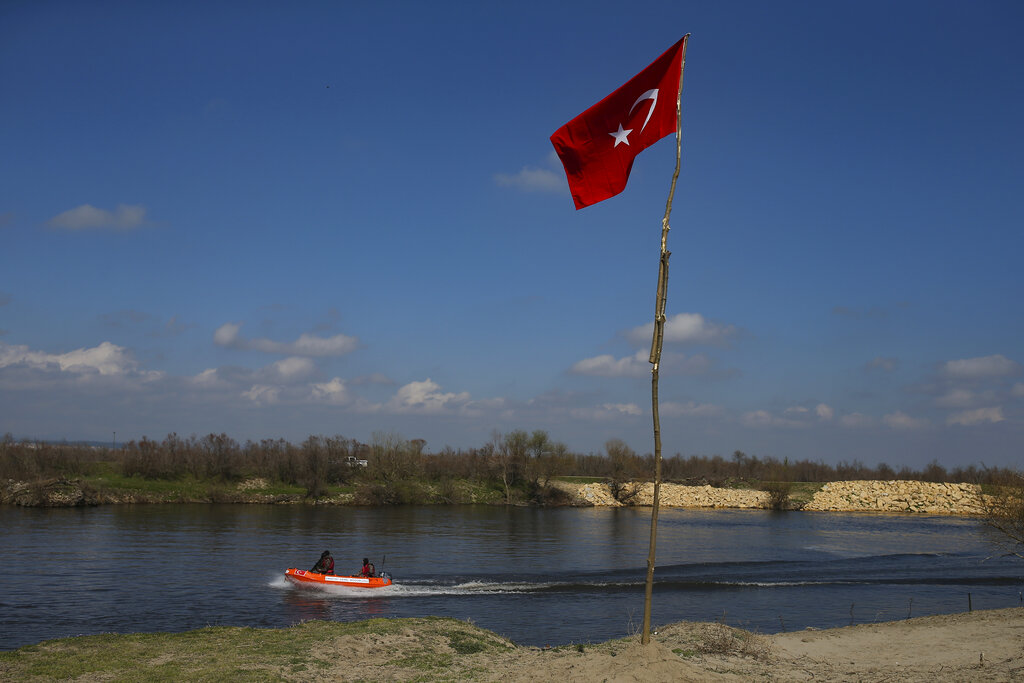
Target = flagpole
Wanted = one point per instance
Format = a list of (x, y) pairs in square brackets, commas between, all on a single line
[(657, 341)]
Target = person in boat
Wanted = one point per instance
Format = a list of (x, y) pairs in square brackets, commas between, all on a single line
[(368, 568), (325, 565)]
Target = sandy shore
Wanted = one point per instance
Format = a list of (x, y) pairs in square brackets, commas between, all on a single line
[(977, 646)]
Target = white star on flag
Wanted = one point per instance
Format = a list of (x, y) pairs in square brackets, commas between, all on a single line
[(620, 135)]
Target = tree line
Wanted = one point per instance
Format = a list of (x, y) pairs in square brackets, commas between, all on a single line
[(518, 464)]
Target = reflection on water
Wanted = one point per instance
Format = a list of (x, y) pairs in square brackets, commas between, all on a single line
[(537, 576)]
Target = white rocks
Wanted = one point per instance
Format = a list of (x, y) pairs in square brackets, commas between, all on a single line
[(837, 496)]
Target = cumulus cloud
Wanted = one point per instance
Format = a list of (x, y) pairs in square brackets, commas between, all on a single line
[(227, 335), (104, 359), (685, 328), (86, 216), (900, 420), (607, 365), (426, 397), (977, 416), (533, 179), (263, 394), (984, 367), (292, 368), (824, 412), (334, 392)]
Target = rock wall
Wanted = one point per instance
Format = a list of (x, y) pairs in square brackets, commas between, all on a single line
[(898, 496), (839, 496)]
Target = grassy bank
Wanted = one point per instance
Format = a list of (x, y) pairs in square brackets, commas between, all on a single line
[(427, 647), (982, 645), (406, 649)]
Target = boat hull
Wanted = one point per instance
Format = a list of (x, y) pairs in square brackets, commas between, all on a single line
[(303, 577)]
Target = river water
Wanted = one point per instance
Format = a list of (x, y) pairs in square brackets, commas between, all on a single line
[(537, 576)]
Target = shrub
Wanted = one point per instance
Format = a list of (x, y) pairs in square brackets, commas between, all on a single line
[(778, 494), (1004, 511)]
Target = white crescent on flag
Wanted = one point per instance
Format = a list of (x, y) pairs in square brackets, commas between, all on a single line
[(649, 95)]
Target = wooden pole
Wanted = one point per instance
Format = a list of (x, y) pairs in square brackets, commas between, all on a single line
[(657, 341)]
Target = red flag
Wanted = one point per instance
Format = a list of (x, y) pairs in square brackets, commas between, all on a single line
[(597, 147)]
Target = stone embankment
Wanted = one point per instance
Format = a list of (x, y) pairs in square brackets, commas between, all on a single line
[(899, 496), (838, 496)]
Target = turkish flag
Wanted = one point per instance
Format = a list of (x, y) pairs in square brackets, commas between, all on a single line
[(597, 147)]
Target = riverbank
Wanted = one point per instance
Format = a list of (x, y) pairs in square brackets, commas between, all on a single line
[(977, 646), (838, 496)]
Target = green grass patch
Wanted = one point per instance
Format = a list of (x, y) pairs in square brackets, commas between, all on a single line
[(802, 491), (220, 653)]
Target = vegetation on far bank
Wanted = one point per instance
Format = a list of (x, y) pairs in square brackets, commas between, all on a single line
[(513, 468)]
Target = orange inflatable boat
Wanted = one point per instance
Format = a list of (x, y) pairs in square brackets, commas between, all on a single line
[(303, 577)]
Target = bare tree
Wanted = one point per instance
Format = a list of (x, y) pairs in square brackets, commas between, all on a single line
[(1003, 502)]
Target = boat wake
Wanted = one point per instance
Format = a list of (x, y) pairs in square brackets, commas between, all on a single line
[(879, 570)]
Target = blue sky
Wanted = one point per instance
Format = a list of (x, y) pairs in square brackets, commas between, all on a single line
[(277, 220)]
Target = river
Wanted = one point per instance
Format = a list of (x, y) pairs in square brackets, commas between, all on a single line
[(537, 576)]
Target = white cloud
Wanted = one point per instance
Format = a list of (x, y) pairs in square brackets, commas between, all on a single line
[(608, 366), (333, 392), (532, 180), (227, 335), (292, 368), (977, 416), (105, 359), (824, 412), (263, 394), (985, 367), (426, 397), (207, 378), (900, 420), (1018, 389), (624, 408), (685, 328), (124, 217)]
